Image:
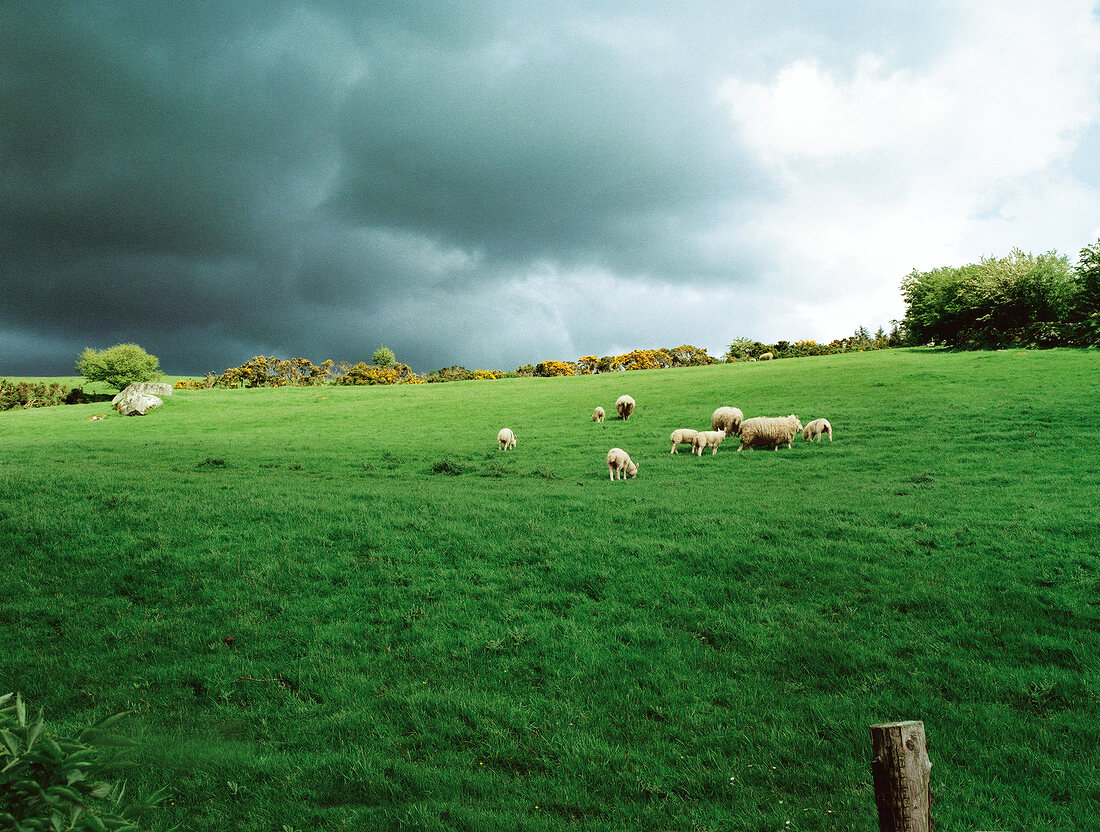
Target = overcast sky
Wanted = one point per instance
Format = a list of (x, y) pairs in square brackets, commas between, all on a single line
[(495, 183)]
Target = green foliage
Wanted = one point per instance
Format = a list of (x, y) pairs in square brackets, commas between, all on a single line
[(27, 394), (265, 371), (743, 349), (550, 369), (1022, 300), (329, 635), (458, 373), (53, 782), (369, 374), (118, 366), (1085, 315), (384, 357)]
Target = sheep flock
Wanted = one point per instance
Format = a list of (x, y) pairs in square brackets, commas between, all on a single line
[(756, 432)]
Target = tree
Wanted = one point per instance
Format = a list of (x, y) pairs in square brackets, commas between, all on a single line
[(384, 357), (1085, 315), (1019, 300), (118, 366), (740, 349)]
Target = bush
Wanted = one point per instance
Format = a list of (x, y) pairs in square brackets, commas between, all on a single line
[(29, 394), (549, 369), (362, 373), (49, 781), (118, 366), (1022, 300), (383, 357)]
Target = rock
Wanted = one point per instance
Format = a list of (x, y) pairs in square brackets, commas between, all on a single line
[(138, 404), (153, 388)]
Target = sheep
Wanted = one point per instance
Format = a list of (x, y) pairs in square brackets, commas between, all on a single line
[(597, 414), (619, 463), (505, 439), (727, 419), (707, 439), (683, 435), (813, 431), (767, 357), (625, 406), (766, 430)]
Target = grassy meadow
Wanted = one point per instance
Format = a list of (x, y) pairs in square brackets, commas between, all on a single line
[(342, 608)]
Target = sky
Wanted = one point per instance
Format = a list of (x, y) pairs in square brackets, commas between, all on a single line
[(499, 182)]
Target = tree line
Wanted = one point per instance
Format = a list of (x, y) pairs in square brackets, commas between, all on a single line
[(1022, 300)]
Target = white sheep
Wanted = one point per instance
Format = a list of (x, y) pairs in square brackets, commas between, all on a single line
[(505, 439), (769, 430), (767, 357), (625, 406), (597, 414), (681, 436), (813, 431), (727, 419), (707, 439), (619, 463)]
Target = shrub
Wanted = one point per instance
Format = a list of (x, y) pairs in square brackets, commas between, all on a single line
[(363, 373), (457, 372), (383, 357), (48, 781), (549, 369), (1022, 300), (118, 366), (29, 394)]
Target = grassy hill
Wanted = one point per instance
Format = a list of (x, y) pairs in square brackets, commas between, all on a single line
[(343, 608)]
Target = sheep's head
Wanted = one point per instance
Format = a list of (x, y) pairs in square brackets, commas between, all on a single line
[(631, 470)]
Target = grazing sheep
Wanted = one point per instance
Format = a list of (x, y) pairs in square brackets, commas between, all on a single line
[(625, 406), (683, 435), (769, 430), (707, 439), (597, 414), (619, 463), (817, 427), (727, 419), (505, 439), (767, 357)]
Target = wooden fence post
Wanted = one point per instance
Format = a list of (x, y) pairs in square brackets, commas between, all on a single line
[(902, 775)]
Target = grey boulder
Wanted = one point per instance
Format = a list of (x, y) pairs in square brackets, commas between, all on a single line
[(137, 404), (152, 388)]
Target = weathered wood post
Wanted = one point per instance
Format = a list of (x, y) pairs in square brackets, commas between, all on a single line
[(902, 775)]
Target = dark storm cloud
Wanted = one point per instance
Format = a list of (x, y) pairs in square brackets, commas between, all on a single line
[(483, 182)]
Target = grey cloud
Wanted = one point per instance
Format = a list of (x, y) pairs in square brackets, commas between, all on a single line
[(220, 180)]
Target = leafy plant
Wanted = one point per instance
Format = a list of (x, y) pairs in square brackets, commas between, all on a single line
[(27, 394), (383, 357), (118, 366), (48, 781)]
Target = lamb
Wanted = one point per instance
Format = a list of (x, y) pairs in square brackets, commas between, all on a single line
[(707, 439), (767, 357), (505, 439), (813, 431), (767, 430), (727, 419), (619, 463), (597, 414), (625, 406), (683, 435)]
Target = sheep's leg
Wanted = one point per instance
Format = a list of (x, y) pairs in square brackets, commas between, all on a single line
[(712, 453)]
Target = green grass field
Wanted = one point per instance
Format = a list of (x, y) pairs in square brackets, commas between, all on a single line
[(343, 608)]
